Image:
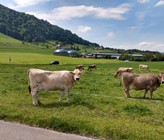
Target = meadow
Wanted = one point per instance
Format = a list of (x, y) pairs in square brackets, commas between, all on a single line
[(98, 107)]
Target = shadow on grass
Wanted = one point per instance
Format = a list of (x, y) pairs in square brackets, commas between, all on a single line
[(74, 102), (146, 98)]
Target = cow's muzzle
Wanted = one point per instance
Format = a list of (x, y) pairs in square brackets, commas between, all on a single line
[(77, 79), (162, 82)]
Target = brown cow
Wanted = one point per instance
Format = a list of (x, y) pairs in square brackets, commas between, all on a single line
[(80, 67), (141, 82), (51, 81), (91, 67)]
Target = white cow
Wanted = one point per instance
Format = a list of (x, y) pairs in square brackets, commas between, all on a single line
[(143, 67), (51, 81)]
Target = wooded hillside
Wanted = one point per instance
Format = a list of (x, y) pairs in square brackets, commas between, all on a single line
[(30, 29)]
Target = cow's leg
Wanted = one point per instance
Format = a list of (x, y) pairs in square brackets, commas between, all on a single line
[(127, 92), (37, 97), (34, 96), (68, 94), (61, 95), (151, 94), (145, 93), (120, 82)]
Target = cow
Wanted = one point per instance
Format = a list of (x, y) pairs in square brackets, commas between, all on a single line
[(143, 67), (162, 77), (121, 70), (80, 67), (91, 67), (51, 81), (147, 82)]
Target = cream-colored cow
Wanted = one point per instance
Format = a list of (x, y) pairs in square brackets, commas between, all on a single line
[(143, 67), (121, 70), (51, 81)]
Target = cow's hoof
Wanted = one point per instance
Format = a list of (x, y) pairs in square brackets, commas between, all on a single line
[(128, 96), (39, 103)]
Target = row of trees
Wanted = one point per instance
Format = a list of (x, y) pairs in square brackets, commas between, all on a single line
[(146, 57)]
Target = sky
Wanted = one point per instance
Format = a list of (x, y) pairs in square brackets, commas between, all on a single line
[(121, 24)]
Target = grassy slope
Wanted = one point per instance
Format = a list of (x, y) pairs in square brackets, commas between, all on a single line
[(98, 106)]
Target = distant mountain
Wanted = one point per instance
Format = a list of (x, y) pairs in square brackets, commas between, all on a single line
[(30, 29)]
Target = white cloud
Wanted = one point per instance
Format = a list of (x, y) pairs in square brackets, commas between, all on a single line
[(26, 3), (159, 3), (133, 28), (69, 12), (110, 35), (153, 46), (83, 29), (143, 1)]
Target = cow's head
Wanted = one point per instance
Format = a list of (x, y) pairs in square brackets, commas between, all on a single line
[(76, 74), (162, 77), (116, 74)]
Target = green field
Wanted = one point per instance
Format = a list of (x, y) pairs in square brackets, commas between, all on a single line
[(97, 108)]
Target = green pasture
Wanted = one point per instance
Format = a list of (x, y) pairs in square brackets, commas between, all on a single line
[(97, 108)]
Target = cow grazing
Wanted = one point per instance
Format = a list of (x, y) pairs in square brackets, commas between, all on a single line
[(121, 70), (80, 67), (143, 67), (147, 82), (91, 67), (51, 81)]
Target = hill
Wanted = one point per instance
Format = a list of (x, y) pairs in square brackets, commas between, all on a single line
[(30, 29)]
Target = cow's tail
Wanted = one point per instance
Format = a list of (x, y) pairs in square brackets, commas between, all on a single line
[(29, 87)]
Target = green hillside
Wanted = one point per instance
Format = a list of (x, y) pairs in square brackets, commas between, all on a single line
[(30, 29)]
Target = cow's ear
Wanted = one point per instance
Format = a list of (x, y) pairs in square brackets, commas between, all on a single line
[(159, 76), (72, 72)]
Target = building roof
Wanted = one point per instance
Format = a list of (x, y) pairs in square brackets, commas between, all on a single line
[(72, 52), (60, 51)]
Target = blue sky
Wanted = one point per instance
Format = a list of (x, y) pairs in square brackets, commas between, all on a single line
[(123, 24)]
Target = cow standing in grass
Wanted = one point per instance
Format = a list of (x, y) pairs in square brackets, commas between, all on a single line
[(122, 70), (80, 67), (91, 67), (143, 67), (147, 82), (51, 81)]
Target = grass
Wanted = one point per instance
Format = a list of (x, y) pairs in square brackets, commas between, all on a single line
[(97, 108)]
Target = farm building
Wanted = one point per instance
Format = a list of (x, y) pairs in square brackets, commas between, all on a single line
[(61, 52), (73, 53), (101, 55)]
